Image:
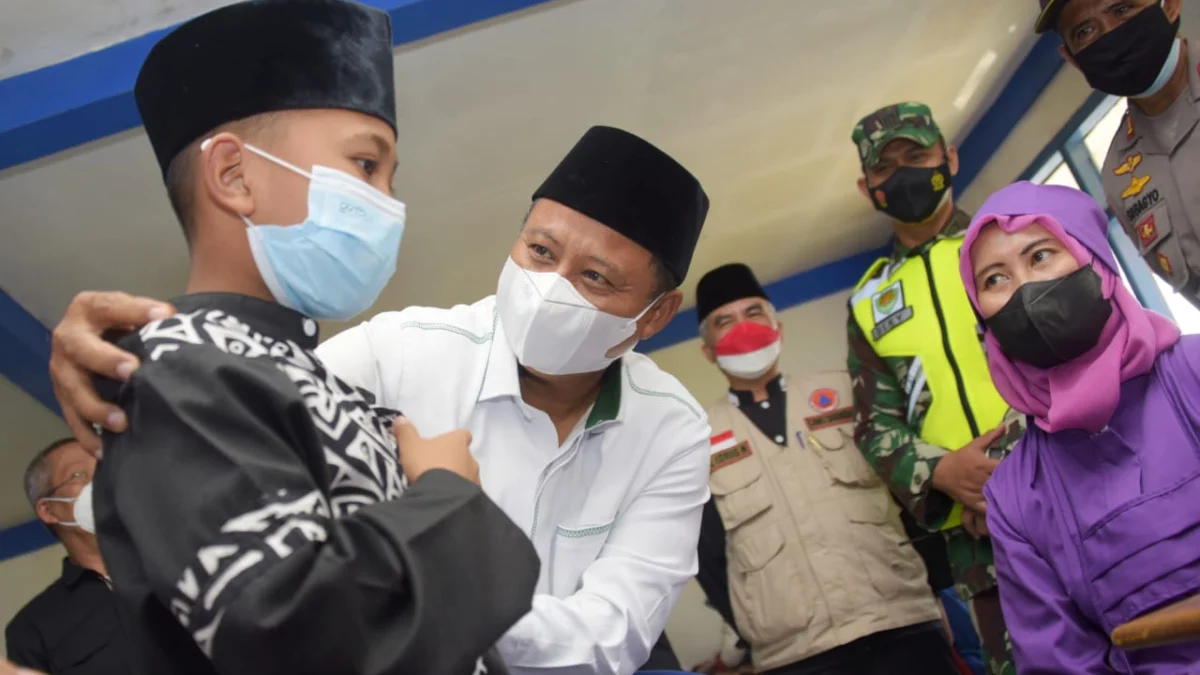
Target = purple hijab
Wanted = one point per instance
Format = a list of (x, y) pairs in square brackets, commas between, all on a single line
[(1083, 393)]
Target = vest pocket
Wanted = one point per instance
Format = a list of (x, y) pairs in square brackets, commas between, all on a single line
[(740, 492), (894, 570), (767, 593), (846, 466)]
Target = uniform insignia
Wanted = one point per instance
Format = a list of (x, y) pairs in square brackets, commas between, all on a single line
[(735, 453), (887, 301), (1147, 232), (889, 309), (722, 441), (1130, 164), (823, 400), (830, 419), (1129, 132), (1165, 263), (1136, 185), (938, 181)]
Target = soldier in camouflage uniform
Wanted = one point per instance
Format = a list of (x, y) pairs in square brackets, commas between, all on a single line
[(927, 416)]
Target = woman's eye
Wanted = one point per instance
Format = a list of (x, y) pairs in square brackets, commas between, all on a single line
[(539, 250), (992, 280), (1041, 256)]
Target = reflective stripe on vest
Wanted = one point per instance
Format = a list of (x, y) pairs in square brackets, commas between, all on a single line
[(903, 315)]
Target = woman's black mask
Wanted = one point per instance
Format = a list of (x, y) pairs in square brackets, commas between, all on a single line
[(1048, 323)]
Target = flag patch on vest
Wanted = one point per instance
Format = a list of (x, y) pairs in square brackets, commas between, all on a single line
[(723, 458), (722, 441), (830, 419), (889, 310)]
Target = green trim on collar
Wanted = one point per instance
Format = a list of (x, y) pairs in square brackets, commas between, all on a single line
[(608, 401)]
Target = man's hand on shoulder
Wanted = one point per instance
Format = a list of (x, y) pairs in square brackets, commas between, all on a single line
[(78, 351)]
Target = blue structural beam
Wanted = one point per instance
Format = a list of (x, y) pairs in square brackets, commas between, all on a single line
[(24, 538), (25, 351), (90, 97)]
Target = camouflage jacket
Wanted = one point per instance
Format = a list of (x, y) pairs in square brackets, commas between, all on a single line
[(895, 449)]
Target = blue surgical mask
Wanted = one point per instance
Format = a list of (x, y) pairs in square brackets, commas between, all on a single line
[(335, 264)]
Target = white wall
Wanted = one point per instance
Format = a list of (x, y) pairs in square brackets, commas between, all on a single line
[(1060, 100), (23, 577)]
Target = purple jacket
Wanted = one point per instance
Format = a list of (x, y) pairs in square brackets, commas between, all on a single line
[(1090, 532)]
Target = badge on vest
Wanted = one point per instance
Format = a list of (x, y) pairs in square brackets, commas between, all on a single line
[(889, 309), (830, 419), (726, 450)]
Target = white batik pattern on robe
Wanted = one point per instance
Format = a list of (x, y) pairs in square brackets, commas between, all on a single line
[(360, 455)]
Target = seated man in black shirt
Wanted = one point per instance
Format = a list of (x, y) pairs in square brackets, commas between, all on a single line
[(255, 517), (71, 627)]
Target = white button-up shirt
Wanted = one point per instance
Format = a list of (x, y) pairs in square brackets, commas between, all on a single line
[(614, 511)]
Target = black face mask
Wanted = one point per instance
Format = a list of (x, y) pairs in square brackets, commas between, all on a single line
[(1048, 323), (1127, 60), (912, 194)]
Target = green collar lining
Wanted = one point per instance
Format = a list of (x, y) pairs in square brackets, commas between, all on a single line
[(608, 401)]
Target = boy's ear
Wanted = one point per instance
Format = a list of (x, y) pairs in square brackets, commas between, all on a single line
[(221, 168)]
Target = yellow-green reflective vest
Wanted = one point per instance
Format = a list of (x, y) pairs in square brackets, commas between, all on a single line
[(919, 310)]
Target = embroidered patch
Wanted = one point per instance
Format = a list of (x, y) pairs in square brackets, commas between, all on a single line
[(723, 441), (887, 301), (1147, 232), (1129, 131), (1130, 164), (823, 400), (1165, 263), (830, 419), (724, 458), (891, 323), (1136, 185)]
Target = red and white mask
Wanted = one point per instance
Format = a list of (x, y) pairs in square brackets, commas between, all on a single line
[(748, 350)]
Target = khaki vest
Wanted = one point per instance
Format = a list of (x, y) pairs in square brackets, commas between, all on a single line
[(812, 536), (920, 309)]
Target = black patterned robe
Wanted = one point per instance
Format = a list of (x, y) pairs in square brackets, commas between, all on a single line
[(254, 518)]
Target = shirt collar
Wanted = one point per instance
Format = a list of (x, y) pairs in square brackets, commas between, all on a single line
[(956, 227), (267, 318), (501, 380), (72, 574), (1134, 120), (744, 398)]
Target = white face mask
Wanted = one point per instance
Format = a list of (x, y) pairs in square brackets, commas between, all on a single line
[(552, 328), (85, 518)]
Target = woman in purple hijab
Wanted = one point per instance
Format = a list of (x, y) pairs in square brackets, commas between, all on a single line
[(1095, 516)]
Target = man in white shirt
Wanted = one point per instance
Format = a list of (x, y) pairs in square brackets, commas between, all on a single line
[(600, 456)]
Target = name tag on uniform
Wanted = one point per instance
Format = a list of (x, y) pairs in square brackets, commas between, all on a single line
[(830, 419), (889, 310), (726, 450)]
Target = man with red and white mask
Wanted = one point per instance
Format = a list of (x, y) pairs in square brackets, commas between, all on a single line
[(801, 548)]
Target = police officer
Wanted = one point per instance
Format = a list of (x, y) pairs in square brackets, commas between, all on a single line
[(925, 409), (1152, 169), (801, 547)]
